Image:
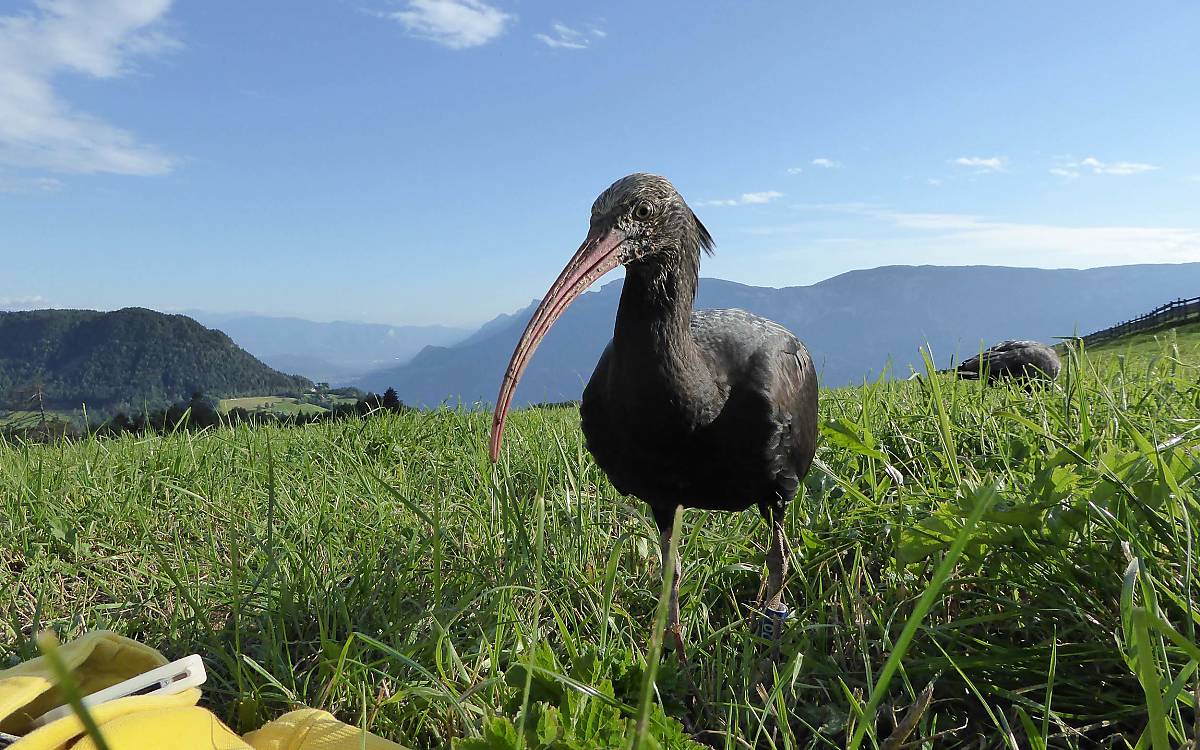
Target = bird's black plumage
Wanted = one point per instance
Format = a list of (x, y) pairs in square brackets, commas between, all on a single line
[(732, 427), (712, 409), (1012, 359)]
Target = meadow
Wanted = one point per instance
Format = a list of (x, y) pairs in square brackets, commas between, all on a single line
[(19, 419), (270, 404), (971, 567)]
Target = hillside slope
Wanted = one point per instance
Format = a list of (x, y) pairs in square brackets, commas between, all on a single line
[(1147, 344), (126, 359), (853, 324)]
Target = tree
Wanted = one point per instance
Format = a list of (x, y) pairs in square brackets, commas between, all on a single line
[(368, 404), (237, 415), (203, 413), (39, 395), (391, 401), (118, 424)]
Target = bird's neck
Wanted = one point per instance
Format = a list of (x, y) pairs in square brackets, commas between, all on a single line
[(656, 306), (652, 337)]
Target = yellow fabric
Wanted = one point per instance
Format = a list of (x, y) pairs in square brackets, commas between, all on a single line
[(144, 722), (101, 659), (312, 729), (98, 660)]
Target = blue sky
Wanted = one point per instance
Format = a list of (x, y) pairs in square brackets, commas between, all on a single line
[(427, 161)]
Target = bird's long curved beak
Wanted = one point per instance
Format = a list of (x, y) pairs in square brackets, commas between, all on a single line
[(596, 256)]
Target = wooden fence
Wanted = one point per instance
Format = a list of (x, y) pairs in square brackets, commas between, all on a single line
[(1175, 311)]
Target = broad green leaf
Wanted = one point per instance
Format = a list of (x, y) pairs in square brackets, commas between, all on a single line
[(852, 437)]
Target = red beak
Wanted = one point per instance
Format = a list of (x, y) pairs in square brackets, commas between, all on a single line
[(595, 257)]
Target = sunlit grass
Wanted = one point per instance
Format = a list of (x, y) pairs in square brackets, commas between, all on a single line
[(20, 418), (1182, 340), (272, 404), (386, 569)]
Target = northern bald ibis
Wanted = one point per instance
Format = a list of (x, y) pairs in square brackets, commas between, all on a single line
[(710, 409), (1012, 359)]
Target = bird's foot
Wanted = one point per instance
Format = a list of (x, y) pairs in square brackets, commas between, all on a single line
[(772, 619), (676, 634), (673, 643)]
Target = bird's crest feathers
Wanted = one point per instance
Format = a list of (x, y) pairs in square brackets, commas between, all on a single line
[(707, 244)]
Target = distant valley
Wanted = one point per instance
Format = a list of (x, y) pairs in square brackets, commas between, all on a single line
[(334, 352)]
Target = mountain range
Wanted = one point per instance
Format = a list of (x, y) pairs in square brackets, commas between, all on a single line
[(856, 325), (332, 352)]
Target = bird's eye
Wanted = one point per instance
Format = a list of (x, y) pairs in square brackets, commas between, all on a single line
[(642, 211)]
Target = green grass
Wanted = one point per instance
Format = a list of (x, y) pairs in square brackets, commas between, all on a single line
[(1036, 564), (1166, 341), (273, 404), (31, 418), (20, 419)]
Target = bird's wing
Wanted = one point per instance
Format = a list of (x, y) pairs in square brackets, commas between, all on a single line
[(764, 358), (794, 395)]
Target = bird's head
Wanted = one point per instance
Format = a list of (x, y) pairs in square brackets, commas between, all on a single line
[(650, 220), (639, 220)]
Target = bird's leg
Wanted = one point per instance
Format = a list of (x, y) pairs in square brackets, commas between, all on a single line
[(772, 607), (673, 626), (777, 564), (666, 529)]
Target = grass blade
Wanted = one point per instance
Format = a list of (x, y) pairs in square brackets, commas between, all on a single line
[(983, 500)]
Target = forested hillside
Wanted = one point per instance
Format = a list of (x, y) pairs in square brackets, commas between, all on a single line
[(127, 359)]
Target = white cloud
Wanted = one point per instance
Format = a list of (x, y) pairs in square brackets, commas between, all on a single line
[(1071, 169), (966, 238), (25, 302), (925, 221), (821, 161), (936, 182), (983, 164), (795, 170), (565, 37), (764, 197), (98, 38), (29, 185), (598, 33), (745, 199), (1117, 167), (457, 24)]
